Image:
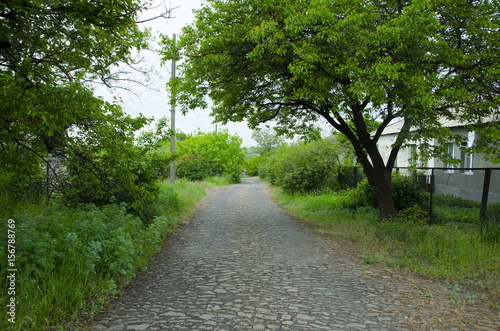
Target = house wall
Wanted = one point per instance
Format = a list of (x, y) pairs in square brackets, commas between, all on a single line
[(465, 184), (404, 156)]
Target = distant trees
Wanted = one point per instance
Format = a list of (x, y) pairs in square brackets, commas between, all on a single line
[(209, 154), (266, 140)]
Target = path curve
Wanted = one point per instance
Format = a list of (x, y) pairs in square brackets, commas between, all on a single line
[(242, 264)]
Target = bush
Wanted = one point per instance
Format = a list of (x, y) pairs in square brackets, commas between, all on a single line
[(362, 196), (304, 167), (63, 255), (412, 216), (70, 261), (195, 168), (406, 194)]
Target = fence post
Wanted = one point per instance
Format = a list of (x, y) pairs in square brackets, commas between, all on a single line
[(484, 198), (431, 191)]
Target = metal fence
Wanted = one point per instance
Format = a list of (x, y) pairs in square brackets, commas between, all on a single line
[(455, 195), (475, 190)]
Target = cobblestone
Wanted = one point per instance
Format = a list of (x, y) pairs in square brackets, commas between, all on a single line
[(242, 264)]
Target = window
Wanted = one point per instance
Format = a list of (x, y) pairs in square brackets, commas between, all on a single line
[(466, 158), (450, 154), (412, 155), (412, 151)]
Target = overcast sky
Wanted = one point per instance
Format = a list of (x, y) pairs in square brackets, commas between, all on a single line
[(152, 101)]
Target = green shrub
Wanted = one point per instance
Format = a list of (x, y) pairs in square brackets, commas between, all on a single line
[(270, 169), (63, 255), (304, 167), (362, 196), (195, 168), (107, 178), (70, 260), (413, 215), (405, 192), (252, 163)]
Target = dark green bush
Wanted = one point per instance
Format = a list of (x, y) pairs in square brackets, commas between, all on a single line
[(405, 193), (129, 179), (195, 168), (411, 216), (362, 196), (303, 168)]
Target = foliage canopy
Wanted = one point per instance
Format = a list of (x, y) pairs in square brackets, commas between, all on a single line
[(51, 55)]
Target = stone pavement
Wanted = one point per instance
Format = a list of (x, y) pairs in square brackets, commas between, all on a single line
[(242, 264)]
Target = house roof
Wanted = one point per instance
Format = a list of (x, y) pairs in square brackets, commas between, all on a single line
[(396, 127)]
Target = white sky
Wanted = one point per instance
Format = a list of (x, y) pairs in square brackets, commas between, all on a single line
[(152, 101)]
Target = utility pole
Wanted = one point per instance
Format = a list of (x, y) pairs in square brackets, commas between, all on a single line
[(172, 125)]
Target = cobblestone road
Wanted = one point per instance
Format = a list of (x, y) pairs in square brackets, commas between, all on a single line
[(242, 264)]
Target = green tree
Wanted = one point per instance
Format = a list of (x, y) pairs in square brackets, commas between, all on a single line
[(50, 54), (155, 137), (221, 148), (196, 168), (103, 165), (347, 62), (266, 141), (252, 163)]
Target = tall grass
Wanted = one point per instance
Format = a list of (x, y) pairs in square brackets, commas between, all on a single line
[(71, 261), (218, 181), (452, 252)]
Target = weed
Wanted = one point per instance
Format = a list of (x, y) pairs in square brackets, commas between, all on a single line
[(374, 258), (217, 181), (426, 293), (70, 261)]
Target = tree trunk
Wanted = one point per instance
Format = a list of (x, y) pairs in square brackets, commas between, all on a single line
[(380, 181)]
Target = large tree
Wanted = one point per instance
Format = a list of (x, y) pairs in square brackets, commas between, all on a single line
[(267, 141), (50, 54), (350, 62)]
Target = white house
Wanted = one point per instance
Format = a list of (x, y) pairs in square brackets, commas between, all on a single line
[(464, 180)]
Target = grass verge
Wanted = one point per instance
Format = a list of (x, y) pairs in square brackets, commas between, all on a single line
[(452, 252)]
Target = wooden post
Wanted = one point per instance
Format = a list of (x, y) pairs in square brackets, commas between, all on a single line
[(484, 199), (431, 191)]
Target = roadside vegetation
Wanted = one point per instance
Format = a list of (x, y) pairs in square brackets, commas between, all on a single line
[(71, 260), (88, 222), (455, 247)]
